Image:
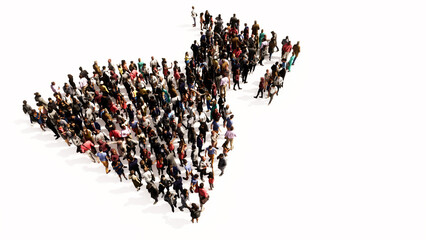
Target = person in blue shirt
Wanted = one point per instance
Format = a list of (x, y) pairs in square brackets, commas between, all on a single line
[(215, 126), (188, 169), (228, 122), (104, 159), (211, 151)]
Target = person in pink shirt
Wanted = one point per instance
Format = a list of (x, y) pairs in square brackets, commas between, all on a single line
[(229, 136)]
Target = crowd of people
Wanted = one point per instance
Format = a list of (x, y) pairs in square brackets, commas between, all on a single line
[(158, 116)]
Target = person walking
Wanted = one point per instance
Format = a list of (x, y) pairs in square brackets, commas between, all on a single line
[(118, 168), (296, 51), (222, 163), (261, 88), (184, 200), (272, 92), (195, 212), (171, 199), (202, 193), (135, 180)]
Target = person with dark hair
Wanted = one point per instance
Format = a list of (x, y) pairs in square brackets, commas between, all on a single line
[(136, 181), (164, 184), (171, 199), (261, 88), (184, 200), (211, 180), (202, 193), (222, 163), (117, 165), (153, 190), (133, 165), (195, 212), (296, 51), (178, 186)]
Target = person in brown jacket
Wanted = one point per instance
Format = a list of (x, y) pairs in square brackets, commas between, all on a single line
[(96, 68), (296, 50), (255, 28)]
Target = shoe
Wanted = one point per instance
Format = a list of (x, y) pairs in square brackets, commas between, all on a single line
[(255, 97), (56, 137), (240, 88), (156, 201), (221, 174), (109, 171), (181, 209)]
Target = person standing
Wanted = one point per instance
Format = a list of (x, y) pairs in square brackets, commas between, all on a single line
[(222, 163), (193, 15), (255, 28)]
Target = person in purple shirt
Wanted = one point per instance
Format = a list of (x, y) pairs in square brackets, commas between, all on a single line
[(229, 136)]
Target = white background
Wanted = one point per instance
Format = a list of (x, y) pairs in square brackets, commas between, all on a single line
[(339, 154)]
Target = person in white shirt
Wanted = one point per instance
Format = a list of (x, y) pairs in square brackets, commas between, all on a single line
[(82, 83), (272, 92), (55, 88), (223, 83), (153, 64), (193, 15)]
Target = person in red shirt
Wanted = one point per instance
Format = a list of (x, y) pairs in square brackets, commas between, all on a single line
[(202, 193), (286, 50), (261, 88), (115, 133)]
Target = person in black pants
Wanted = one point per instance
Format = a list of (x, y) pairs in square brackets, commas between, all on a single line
[(261, 88), (153, 190), (50, 124), (171, 199)]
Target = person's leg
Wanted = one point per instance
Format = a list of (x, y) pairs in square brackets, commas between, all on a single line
[(270, 99), (295, 57), (222, 171)]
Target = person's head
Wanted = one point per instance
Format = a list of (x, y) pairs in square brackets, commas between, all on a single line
[(25, 102), (201, 185), (152, 57), (192, 7)]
